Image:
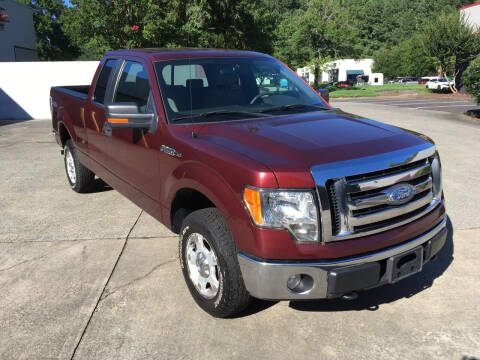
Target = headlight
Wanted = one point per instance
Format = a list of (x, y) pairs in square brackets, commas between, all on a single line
[(295, 211), (437, 176)]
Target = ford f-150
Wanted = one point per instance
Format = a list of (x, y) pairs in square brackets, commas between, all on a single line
[(274, 193)]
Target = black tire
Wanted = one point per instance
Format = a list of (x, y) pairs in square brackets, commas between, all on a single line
[(84, 178), (232, 296)]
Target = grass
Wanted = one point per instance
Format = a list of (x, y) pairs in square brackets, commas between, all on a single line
[(371, 91)]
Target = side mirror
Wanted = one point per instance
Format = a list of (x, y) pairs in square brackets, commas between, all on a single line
[(127, 115)]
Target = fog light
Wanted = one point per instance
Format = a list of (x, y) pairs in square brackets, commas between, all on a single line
[(300, 283), (294, 281)]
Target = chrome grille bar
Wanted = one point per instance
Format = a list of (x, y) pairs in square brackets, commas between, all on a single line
[(392, 212), (352, 193), (381, 198), (389, 180)]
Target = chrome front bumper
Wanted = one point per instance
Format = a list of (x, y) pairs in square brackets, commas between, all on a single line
[(268, 280)]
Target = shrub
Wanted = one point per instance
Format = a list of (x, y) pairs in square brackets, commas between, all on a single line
[(471, 79)]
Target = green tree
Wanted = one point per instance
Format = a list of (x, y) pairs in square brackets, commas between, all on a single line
[(452, 43), (404, 59), (237, 24), (385, 23), (471, 79), (314, 32), (52, 42), (96, 26)]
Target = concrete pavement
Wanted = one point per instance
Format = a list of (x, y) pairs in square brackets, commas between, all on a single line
[(92, 276), (446, 104)]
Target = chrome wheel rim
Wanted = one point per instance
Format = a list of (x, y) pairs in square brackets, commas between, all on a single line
[(202, 265), (70, 164)]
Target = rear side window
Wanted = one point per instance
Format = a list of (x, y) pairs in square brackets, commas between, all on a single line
[(133, 85), (102, 81), (182, 73)]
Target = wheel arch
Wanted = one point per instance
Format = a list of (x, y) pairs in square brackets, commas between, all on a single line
[(64, 133), (186, 201), (64, 127), (195, 186)]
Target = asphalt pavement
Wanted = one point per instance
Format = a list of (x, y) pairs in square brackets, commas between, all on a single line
[(446, 104), (91, 276)]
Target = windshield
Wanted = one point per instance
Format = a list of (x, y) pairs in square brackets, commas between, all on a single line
[(220, 89)]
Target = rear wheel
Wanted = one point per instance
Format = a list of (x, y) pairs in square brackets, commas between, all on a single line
[(208, 257), (79, 177)]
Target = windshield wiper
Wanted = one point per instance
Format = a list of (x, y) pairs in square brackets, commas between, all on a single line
[(219, 112), (291, 106)]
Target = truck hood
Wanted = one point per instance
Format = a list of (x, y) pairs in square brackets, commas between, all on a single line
[(291, 145)]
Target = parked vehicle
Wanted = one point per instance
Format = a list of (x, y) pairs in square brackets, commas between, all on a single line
[(423, 80), (324, 93), (439, 84), (344, 84), (324, 90), (410, 80), (274, 194), (396, 80)]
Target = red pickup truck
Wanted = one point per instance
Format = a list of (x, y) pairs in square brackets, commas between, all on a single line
[(274, 194)]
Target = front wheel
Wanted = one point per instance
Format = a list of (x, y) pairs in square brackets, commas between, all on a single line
[(208, 257), (79, 177)]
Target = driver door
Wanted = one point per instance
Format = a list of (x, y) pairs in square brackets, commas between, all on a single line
[(133, 153)]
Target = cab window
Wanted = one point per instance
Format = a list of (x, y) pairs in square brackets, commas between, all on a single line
[(133, 86), (102, 81)]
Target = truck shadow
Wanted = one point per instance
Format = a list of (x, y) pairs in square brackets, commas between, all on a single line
[(372, 299), (475, 113), (99, 186)]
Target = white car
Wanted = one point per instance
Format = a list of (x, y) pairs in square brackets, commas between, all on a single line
[(439, 84)]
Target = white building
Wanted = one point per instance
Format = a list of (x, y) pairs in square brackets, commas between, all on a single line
[(17, 36), (342, 70), (472, 14)]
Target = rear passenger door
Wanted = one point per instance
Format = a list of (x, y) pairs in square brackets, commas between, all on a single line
[(133, 153)]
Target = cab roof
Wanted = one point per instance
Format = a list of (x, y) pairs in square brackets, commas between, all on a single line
[(182, 53)]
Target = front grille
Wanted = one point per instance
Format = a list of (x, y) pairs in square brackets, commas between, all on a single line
[(359, 204), (384, 172), (332, 198)]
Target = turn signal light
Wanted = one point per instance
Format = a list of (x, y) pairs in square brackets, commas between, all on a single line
[(252, 200), (117, 121)]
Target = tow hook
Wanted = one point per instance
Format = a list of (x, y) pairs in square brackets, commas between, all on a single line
[(350, 296)]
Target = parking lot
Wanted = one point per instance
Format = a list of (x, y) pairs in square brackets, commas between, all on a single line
[(91, 276), (446, 104)]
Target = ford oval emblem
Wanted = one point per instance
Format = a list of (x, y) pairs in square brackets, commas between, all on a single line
[(400, 194)]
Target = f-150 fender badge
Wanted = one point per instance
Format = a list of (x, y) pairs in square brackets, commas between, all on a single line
[(170, 151)]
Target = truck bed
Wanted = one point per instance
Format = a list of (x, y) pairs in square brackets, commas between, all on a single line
[(67, 102), (79, 91)]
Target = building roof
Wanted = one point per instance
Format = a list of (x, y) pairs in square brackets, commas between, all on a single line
[(469, 6)]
